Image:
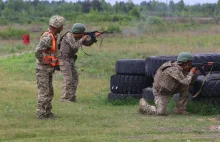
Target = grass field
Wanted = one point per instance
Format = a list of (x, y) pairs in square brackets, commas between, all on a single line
[(93, 117)]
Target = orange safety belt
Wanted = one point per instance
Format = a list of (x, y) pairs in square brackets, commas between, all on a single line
[(49, 56)]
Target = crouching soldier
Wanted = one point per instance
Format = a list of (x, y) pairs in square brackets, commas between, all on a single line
[(171, 78)]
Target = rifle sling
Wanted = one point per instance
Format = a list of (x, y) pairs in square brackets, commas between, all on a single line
[(203, 83), (85, 52), (101, 41)]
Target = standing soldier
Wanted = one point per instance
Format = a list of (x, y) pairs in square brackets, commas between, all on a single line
[(171, 78), (69, 44), (46, 61)]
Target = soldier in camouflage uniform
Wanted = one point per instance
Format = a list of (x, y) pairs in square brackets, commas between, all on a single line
[(45, 68), (171, 78), (70, 42)]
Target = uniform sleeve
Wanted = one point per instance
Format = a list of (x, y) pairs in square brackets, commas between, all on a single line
[(44, 44), (178, 75), (194, 78), (75, 45)]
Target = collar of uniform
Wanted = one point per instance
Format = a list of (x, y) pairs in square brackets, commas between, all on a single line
[(176, 64), (49, 30)]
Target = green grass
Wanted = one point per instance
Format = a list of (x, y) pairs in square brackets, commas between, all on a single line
[(93, 117)]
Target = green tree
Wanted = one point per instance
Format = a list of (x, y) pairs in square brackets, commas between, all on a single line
[(180, 6), (86, 6), (217, 8), (172, 6), (96, 5), (134, 12)]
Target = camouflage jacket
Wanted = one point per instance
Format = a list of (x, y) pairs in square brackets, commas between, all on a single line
[(69, 47), (170, 78), (44, 44)]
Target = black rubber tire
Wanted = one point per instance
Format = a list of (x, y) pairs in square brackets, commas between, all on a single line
[(130, 66), (113, 96), (176, 97), (147, 93), (129, 84), (210, 87), (202, 58), (152, 63), (210, 100)]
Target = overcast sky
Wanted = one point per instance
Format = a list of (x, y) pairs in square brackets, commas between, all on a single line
[(190, 2)]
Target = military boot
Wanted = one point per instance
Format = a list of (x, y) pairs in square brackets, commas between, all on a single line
[(47, 116), (142, 105), (73, 99)]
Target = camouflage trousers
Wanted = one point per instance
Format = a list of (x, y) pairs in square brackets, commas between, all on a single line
[(161, 100), (70, 81), (45, 92)]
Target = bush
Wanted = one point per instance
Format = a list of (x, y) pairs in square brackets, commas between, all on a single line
[(3, 22), (114, 28), (152, 25), (203, 108), (13, 33), (95, 16)]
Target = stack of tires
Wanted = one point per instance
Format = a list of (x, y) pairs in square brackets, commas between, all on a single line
[(129, 80), (134, 78)]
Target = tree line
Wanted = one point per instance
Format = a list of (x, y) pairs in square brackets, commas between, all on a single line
[(21, 11)]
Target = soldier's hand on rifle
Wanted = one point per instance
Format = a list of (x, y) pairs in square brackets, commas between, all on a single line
[(193, 70), (84, 37), (197, 72), (203, 67), (98, 34)]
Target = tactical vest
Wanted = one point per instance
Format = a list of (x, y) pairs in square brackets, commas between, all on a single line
[(66, 52), (49, 55), (163, 82)]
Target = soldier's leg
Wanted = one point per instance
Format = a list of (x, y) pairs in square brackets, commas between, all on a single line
[(67, 86), (161, 101), (183, 100), (75, 82), (44, 95), (51, 94)]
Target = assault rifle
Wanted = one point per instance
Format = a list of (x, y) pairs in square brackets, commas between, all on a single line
[(201, 66), (93, 36)]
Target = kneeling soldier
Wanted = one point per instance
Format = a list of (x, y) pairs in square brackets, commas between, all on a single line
[(171, 78)]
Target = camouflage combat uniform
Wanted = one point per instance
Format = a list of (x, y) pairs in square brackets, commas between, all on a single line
[(169, 80), (46, 60), (44, 74), (67, 56)]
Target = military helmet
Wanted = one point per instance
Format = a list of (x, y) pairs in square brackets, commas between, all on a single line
[(184, 57), (78, 28), (56, 21)]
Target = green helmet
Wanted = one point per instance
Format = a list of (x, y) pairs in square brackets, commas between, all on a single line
[(56, 21), (78, 28), (184, 57)]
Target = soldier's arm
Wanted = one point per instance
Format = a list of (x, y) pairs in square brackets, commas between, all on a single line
[(194, 78), (44, 44), (178, 75), (75, 45)]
